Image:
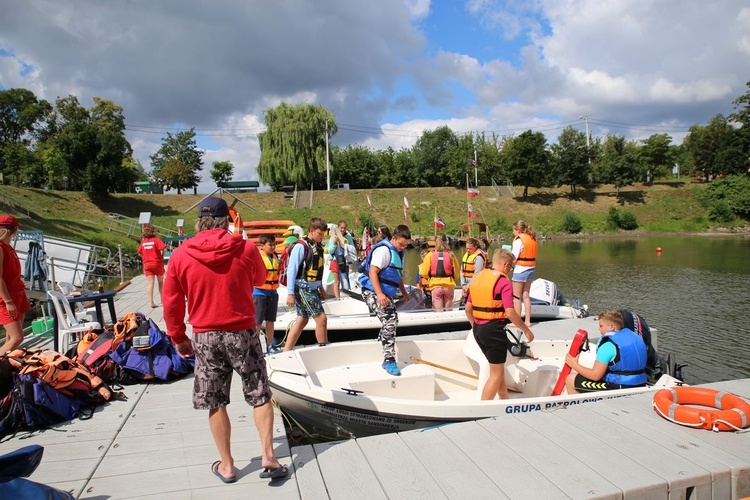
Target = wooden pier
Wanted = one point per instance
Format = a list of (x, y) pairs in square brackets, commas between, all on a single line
[(155, 445)]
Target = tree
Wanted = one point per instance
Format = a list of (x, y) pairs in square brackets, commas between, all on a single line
[(569, 159), (742, 117), (715, 148), (656, 155), (526, 160), (222, 172), (178, 161), (618, 162), (293, 147), (432, 159), (22, 121), (356, 165), (107, 171)]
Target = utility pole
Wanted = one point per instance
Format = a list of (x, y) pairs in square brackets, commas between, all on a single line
[(588, 138), (328, 167)]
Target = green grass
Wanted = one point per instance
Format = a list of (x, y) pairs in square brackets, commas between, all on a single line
[(661, 208)]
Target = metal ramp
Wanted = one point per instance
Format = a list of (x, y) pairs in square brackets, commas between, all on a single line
[(131, 227), (506, 190)]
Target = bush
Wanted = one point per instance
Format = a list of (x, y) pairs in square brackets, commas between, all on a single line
[(721, 213), (734, 190), (571, 224), (621, 219)]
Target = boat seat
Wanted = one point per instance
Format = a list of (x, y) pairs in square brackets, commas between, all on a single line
[(416, 381)]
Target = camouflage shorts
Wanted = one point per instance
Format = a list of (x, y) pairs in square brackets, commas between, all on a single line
[(217, 355)]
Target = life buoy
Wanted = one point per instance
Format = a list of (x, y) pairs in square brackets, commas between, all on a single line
[(731, 412)]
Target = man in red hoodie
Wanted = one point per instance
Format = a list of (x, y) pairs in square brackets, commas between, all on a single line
[(216, 272)]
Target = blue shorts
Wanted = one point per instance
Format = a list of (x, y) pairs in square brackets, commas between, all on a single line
[(524, 276)]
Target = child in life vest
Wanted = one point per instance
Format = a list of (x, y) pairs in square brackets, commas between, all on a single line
[(266, 296), (489, 308), (441, 268)]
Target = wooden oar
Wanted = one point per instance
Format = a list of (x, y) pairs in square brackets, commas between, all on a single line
[(425, 362), (458, 372)]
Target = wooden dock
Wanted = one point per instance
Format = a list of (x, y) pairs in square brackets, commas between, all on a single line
[(155, 445)]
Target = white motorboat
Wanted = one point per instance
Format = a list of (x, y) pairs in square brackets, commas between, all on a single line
[(350, 319), (341, 390)]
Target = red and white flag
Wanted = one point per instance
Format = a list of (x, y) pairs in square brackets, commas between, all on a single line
[(439, 223), (472, 213), (473, 193), (406, 203)]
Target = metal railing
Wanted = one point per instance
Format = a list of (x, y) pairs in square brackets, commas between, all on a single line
[(130, 226)]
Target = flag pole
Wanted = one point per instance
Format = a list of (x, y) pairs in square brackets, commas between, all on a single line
[(434, 224), (468, 219)]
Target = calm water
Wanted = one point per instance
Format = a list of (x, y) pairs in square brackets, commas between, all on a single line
[(696, 293)]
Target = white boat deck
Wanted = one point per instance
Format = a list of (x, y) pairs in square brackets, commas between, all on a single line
[(156, 446)]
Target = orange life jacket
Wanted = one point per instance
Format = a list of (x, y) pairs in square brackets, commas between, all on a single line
[(441, 265), (527, 256), (482, 290), (272, 272)]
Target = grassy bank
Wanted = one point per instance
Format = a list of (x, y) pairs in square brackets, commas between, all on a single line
[(660, 208)]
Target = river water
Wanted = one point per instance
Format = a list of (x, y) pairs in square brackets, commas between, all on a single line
[(696, 293)]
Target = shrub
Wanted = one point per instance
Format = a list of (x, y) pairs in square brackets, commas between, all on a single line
[(621, 219), (734, 190), (721, 213), (571, 224)]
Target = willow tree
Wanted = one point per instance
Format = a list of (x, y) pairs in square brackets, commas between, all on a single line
[(293, 147)]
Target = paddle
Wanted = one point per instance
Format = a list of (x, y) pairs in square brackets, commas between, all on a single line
[(425, 362), (458, 372)]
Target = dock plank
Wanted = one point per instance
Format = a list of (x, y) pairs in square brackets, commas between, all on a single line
[(455, 472), (387, 455), (509, 470), (346, 471), (307, 472)]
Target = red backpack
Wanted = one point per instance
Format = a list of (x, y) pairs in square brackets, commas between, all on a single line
[(284, 260)]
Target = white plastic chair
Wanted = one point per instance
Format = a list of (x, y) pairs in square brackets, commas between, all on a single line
[(82, 314), (69, 329)]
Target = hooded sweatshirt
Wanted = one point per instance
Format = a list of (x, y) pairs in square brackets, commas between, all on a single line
[(216, 271)]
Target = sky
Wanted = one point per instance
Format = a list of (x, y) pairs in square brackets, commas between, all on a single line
[(387, 69)]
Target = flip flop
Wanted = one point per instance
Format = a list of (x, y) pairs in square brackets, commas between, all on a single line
[(215, 470), (280, 471)]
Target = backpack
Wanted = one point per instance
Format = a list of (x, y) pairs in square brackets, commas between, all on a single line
[(93, 351), (34, 404), (284, 260)]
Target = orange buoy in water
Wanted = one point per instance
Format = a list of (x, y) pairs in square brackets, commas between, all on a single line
[(658, 249)]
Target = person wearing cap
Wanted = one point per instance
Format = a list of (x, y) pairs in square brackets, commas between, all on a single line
[(14, 304), (216, 271)]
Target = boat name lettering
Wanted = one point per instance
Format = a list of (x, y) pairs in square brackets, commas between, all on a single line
[(370, 420), (563, 404)]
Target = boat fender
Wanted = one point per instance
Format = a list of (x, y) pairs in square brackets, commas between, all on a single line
[(581, 338), (730, 413)]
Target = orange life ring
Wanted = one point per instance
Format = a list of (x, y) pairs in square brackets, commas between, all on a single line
[(731, 412)]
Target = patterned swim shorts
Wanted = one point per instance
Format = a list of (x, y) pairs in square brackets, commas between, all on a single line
[(217, 355), (307, 302)]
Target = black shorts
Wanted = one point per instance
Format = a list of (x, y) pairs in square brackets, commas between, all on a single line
[(492, 340), (266, 308), (582, 384)]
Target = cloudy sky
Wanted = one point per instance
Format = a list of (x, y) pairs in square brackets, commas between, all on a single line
[(388, 69)]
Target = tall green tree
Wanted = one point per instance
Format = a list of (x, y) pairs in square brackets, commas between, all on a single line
[(178, 161), (526, 160), (293, 147), (356, 165), (22, 124), (222, 172), (655, 155), (570, 159), (107, 171), (741, 116), (714, 148), (618, 162), (432, 158)]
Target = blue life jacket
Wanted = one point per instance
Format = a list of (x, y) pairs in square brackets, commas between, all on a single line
[(629, 365), (390, 277)]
